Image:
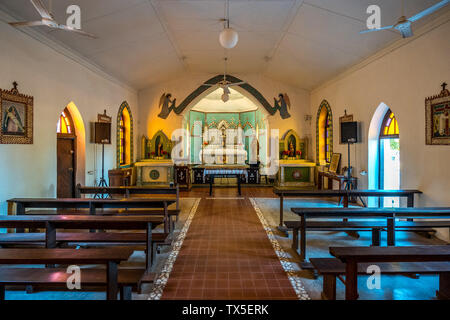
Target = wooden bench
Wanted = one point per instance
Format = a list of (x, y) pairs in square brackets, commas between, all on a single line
[(100, 238), (110, 257), (375, 226), (284, 192), (389, 215), (127, 279), (128, 191), (352, 256), (53, 222), (331, 268), (94, 204)]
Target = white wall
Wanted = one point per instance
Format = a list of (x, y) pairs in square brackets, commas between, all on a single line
[(53, 80), (402, 79), (181, 87)]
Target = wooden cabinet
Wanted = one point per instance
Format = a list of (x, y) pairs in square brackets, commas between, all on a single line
[(120, 177)]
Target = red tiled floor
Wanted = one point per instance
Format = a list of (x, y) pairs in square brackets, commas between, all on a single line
[(226, 255)]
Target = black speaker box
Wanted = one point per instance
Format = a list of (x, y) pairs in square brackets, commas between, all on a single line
[(349, 132), (101, 132)]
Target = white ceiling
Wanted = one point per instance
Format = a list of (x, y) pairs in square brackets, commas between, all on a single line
[(213, 102), (299, 42)]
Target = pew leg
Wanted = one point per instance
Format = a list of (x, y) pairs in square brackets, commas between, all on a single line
[(111, 280), (391, 231), (295, 239), (351, 280), (329, 287), (444, 286), (376, 235), (302, 239), (2, 292), (125, 293)]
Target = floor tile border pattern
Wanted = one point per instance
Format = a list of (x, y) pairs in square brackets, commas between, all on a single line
[(282, 256), (163, 276)]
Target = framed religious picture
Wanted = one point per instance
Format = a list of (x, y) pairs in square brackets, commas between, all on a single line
[(345, 118), (16, 117), (437, 115), (335, 162)]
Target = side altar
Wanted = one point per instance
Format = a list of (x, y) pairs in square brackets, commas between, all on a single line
[(155, 167), (295, 169)]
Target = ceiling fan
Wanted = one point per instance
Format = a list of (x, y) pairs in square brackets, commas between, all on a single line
[(48, 20), (404, 25), (225, 84)]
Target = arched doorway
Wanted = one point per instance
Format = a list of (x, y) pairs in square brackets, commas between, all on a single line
[(384, 155), (66, 156), (389, 169), (70, 151)]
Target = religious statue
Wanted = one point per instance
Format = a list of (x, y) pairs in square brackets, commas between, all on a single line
[(291, 150), (282, 104), (166, 104), (159, 150)]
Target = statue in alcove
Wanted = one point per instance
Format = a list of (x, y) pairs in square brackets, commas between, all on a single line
[(292, 146)]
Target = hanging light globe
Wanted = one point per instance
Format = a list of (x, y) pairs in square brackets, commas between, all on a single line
[(228, 38), (225, 97)]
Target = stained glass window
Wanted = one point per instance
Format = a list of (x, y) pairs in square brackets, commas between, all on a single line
[(389, 128), (65, 123), (122, 138)]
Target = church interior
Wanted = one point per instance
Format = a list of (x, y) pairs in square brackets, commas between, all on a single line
[(224, 150)]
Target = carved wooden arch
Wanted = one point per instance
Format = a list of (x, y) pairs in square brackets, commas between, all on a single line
[(206, 85), (123, 106), (324, 104)]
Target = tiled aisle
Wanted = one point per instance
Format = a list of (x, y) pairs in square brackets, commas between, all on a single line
[(227, 255)]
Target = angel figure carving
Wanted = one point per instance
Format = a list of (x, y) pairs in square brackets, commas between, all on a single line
[(282, 104), (166, 104)]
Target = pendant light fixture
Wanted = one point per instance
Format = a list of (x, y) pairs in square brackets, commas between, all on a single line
[(228, 37)]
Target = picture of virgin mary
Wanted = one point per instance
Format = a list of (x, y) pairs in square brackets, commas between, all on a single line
[(12, 121)]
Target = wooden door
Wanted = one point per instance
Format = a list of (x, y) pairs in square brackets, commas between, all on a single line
[(66, 167)]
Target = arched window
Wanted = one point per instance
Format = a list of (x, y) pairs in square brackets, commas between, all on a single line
[(389, 157), (65, 123), (389, 128), (324, 134), (124, 135)]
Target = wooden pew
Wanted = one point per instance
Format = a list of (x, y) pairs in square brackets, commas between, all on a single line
[(128, 191), (94, 204), (284, 192), (53, 222), (331, 268), (352, 256), (110, 257), (389, 215), (127, 279)]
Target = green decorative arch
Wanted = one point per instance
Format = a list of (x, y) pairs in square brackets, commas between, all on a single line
[(324, 104), (207, 85), (123, 106)]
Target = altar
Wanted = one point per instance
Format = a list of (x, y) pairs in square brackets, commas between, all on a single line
[(296, 173), (154, 172)]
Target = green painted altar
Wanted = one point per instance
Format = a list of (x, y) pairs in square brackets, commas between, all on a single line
[(295, 169), (156, 167)]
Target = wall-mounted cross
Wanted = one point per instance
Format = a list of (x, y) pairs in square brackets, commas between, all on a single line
[(444, 85)]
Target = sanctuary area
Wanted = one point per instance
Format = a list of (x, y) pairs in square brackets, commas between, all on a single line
[(224, 150)]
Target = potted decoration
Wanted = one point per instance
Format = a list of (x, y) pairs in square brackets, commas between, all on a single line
[(164, 153), (285, 155), (298, 154), (152, 155)]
